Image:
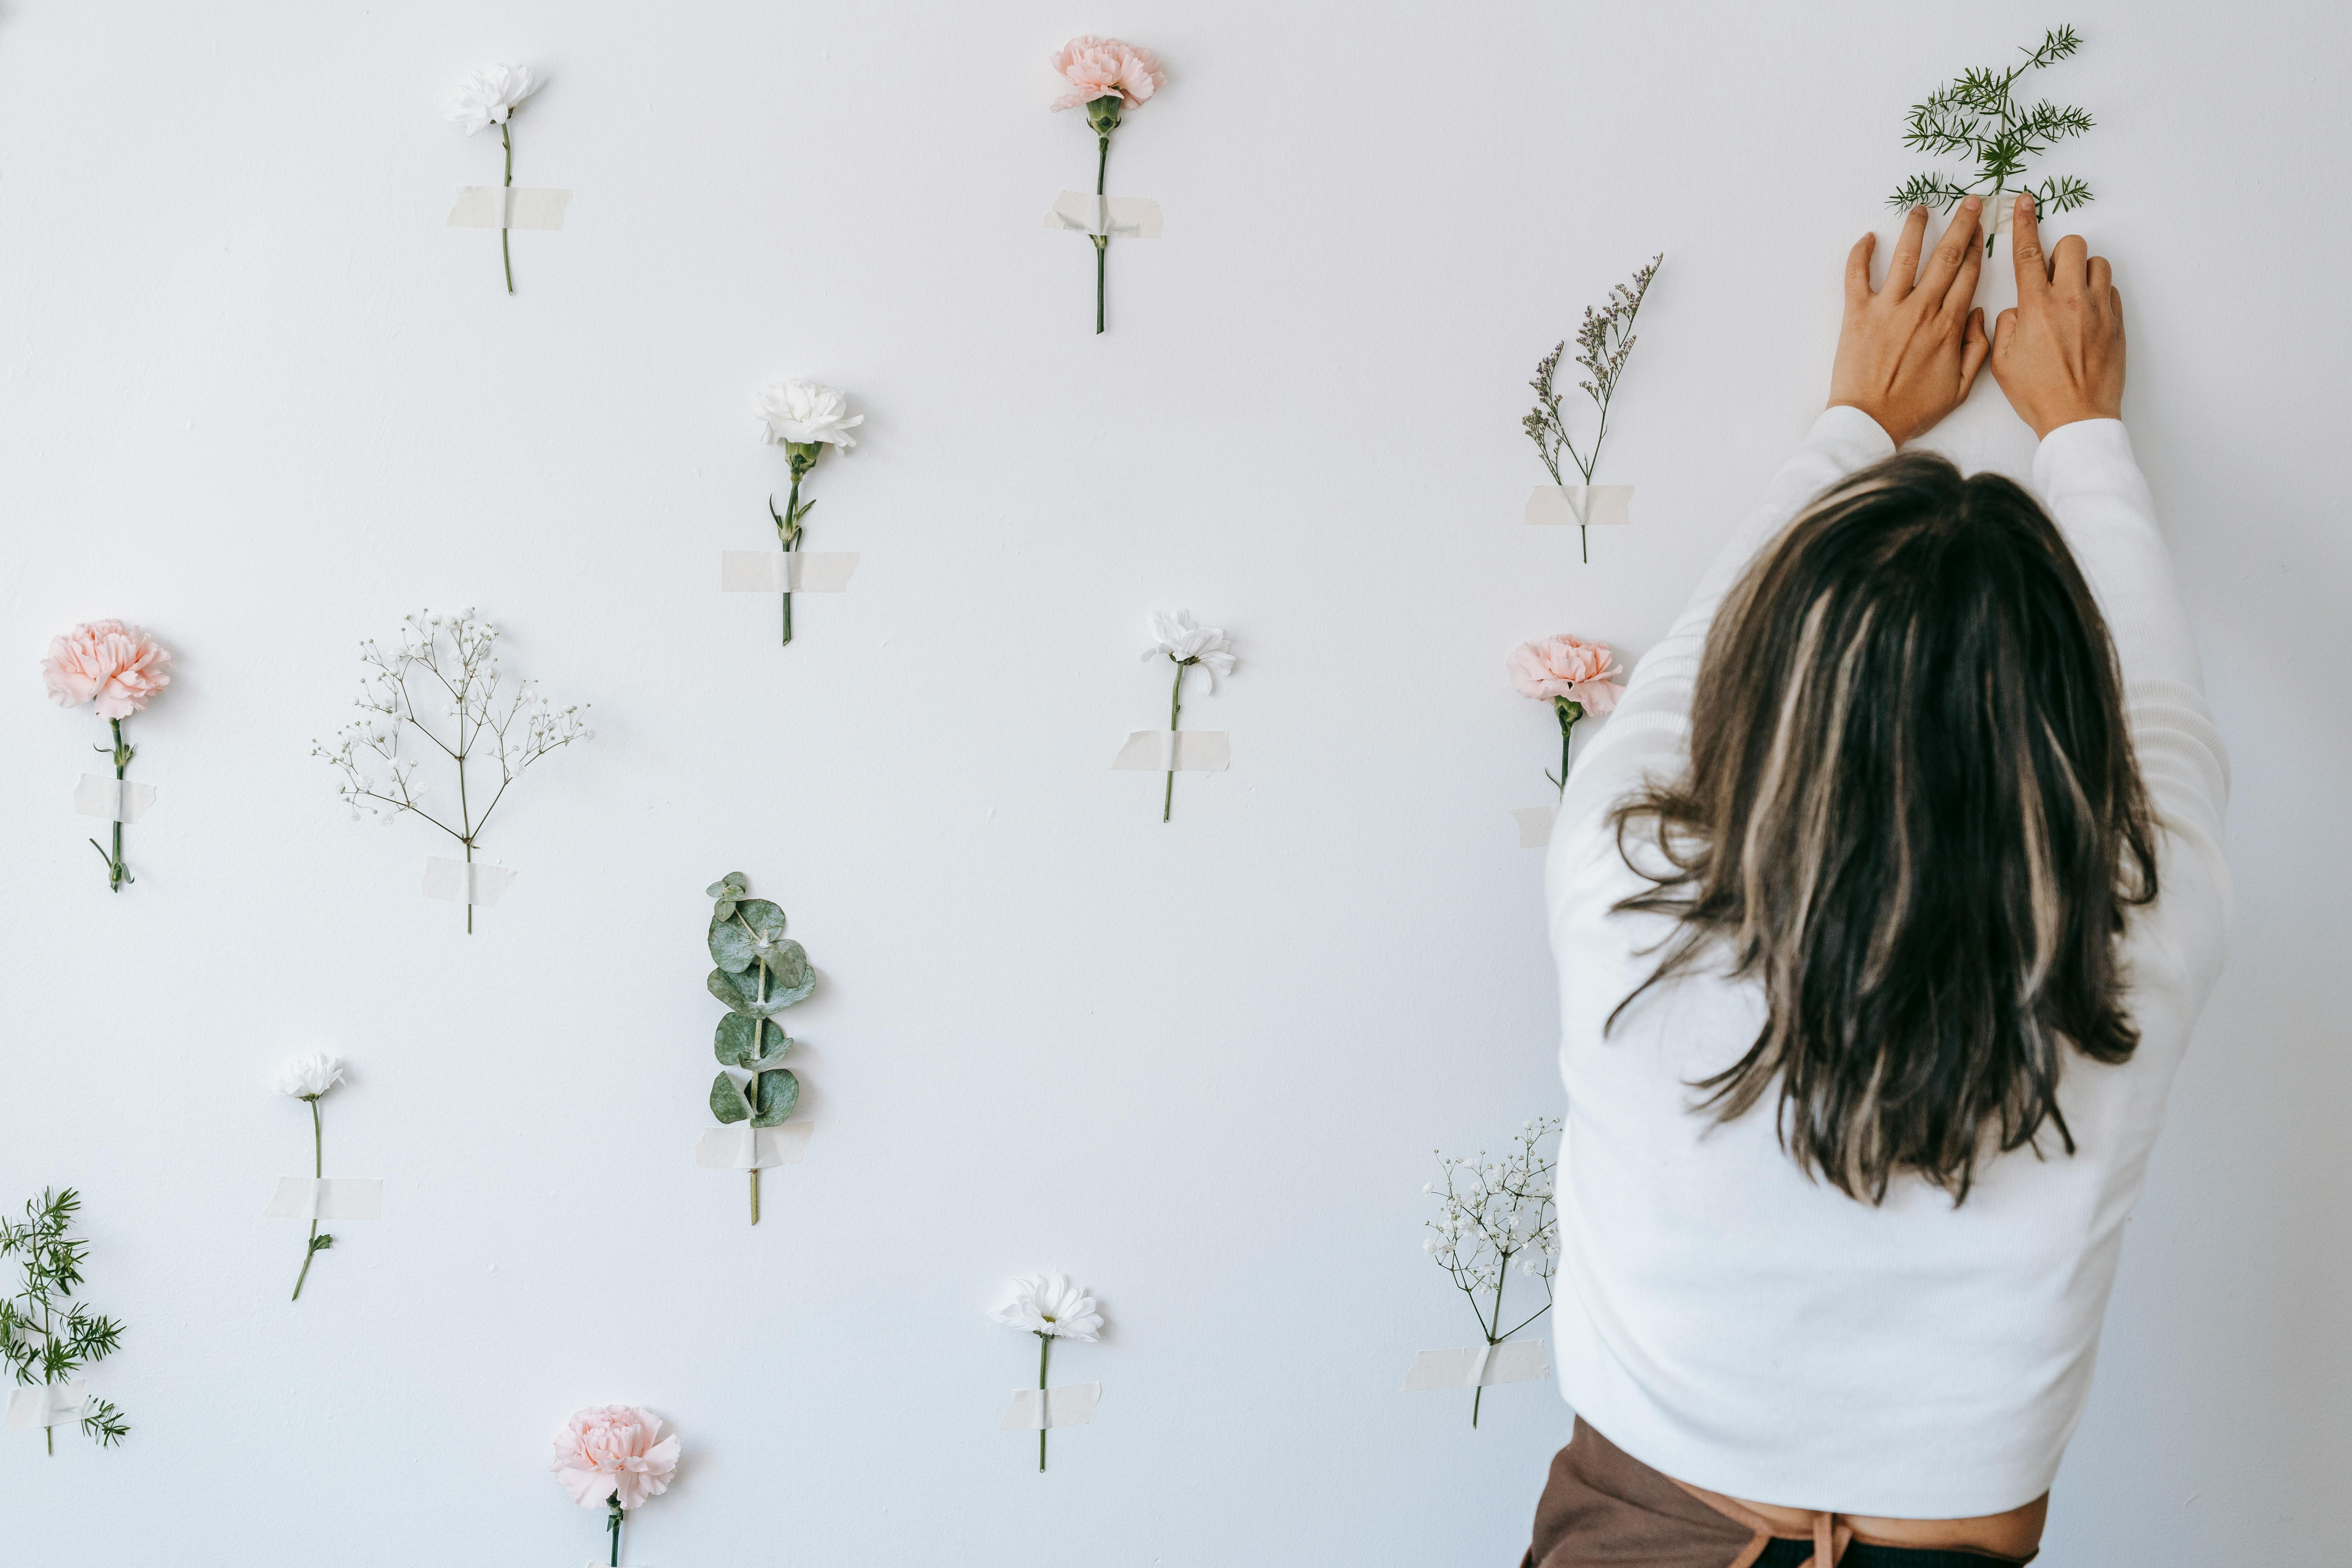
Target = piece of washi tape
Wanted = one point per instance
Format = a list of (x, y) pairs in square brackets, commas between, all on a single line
[(509, 206), (1587, 506), (1175, 750), (1119, 217), (327, 1197), (1478, 1366), (112, 800), (743, 1147), (1066, 1405), (465, 881), (1535, 824), (785, 570), (45, 1404)]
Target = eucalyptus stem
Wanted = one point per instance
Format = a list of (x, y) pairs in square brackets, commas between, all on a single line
[(1044, 1349), (506, 255), (1175, 706)]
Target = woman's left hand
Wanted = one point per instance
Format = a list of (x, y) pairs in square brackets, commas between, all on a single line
[(1908, 353)]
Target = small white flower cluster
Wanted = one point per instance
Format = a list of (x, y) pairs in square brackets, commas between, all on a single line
[(1491, 1212), (457, 655)]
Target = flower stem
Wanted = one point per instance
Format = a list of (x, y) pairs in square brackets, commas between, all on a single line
[(1175, 706), (1102, 241), (613, 1524), (506, 255), (117, 873), (318, 1172), (1502, 1275), (1044, 1349), (791, 541)]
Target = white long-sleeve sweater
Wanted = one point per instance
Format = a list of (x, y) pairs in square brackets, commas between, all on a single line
[(1740, 1326)]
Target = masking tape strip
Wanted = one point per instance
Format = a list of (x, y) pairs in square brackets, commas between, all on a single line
[(509, 206), (112, 799), (45, 1404), (1478, 1366), (1535, 824), (1067, 1405), (1175, 750), (743, 1147), (1581, 506), (785, 570), (1119, 217), (465, 882), (328, 1198)]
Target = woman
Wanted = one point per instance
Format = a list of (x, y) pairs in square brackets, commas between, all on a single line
[(1882, 907)]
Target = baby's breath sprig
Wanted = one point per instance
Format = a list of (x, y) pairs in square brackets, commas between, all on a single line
[(458, 652), (1489, 1212), (1977, 114), (47, 1336), (1603, 344)]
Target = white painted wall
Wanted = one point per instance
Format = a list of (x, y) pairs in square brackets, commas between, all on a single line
[(255, 397)]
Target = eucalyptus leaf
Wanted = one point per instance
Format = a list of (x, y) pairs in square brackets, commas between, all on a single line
[(779, 1092), (726, 1102), (730, 946), (781, 1044), (790, 978), (734, 1044), (741, 992)]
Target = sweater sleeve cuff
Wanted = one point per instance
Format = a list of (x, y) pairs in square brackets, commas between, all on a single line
[(1850, 438), (2087, 447)]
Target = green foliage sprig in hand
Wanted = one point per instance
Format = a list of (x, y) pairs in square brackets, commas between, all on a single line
[(1978, 116), (45, 1335), (760, 972)]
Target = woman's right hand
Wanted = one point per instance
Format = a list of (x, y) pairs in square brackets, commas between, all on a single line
[(2058, 353)]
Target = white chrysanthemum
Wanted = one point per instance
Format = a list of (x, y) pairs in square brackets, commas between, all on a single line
[(1049, 1304), (1176, 636), (488, 96), (309, 1075), (806, 412)]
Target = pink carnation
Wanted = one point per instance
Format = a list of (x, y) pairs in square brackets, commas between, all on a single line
[(1583, 672), (117, 667), (1098, 67), (609, 1449)]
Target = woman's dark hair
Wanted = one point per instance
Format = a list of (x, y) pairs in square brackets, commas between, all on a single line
[(1913, 813)]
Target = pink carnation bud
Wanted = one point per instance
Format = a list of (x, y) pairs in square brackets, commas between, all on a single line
[(115, 665), (1583, 672)]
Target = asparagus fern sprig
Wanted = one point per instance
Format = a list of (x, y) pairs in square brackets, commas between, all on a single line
[(1978, 116), (45, 1335)]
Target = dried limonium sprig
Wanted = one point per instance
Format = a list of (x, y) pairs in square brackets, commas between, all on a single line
[(1977, 115), (1491, 1212), (760, 972), (450, 662), (45, 1335), (1603, 344)]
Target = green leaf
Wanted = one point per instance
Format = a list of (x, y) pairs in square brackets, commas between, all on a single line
[(790, 978), (732, 1045), (779, 1092), (726, 1102), (780, 1046), (730, 946)]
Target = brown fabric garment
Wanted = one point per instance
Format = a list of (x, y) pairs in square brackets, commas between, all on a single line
[(1603, 1507)]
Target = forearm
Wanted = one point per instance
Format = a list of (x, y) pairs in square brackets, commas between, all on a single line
[(2095, 493)]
